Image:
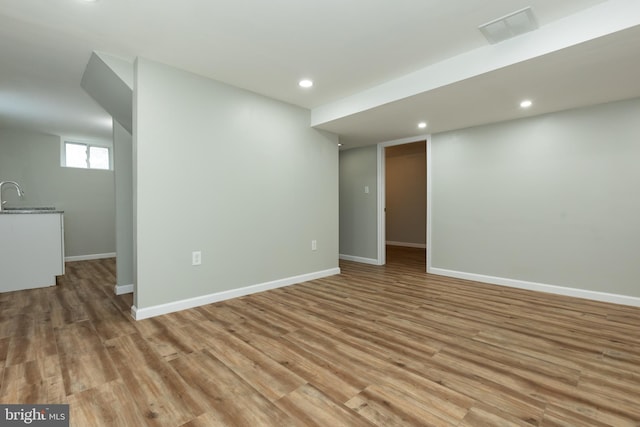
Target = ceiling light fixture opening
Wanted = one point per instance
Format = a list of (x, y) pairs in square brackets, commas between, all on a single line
[(526, 103), (305, 83), (422, 125)]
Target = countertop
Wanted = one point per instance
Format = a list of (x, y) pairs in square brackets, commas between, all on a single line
[(30, 210)]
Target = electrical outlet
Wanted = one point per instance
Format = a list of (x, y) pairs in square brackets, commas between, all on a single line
[(196, 258), (314, 245)]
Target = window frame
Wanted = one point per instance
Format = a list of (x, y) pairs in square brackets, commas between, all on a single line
[(88, 144)]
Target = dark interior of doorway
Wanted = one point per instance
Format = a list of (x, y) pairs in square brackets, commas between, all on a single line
[(406, 199)]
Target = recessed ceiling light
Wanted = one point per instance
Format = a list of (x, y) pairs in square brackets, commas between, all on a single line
[(305, 83), (526, 103), (422, 125)]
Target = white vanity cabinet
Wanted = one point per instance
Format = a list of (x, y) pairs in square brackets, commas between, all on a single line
[(31, 249)]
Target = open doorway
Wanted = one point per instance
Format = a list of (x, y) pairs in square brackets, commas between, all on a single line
[(403, 208)]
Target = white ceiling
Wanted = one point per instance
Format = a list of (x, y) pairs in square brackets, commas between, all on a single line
[(360, 53)]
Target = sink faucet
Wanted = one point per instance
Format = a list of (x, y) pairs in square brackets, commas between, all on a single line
[(17, 187)]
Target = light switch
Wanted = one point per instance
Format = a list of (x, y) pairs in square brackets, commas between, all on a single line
[(366, 189)]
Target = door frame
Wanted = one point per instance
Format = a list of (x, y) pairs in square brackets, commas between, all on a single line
[(381, 184)]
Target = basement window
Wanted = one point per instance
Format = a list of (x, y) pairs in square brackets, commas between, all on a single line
[(85, 155)]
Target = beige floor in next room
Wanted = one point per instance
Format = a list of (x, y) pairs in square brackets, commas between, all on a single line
[(374, 346)]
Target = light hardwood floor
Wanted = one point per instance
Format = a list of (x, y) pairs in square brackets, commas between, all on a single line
[(379, 346)]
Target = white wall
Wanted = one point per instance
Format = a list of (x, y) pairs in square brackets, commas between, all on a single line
[(123, 153), (87, 196), (238, 176), (358, 210), (552, 199)]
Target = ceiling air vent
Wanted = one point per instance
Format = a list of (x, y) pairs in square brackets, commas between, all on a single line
[(511, 25)]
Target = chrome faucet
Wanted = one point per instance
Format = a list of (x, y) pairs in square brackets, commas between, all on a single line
[(17, 187)]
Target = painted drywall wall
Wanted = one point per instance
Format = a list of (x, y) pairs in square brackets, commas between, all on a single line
[(122, 67), (123, 168), (107, 80), (406, 194), (240, 177), (551, 199), (358, 209), (87, 196)]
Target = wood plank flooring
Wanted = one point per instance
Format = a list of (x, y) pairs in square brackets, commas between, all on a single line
[(374, 346)]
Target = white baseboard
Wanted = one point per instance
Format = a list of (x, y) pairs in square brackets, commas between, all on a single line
[(123, 289), (540, 287), (89, 257), (157, 310), (359, 259), (407, 244)]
